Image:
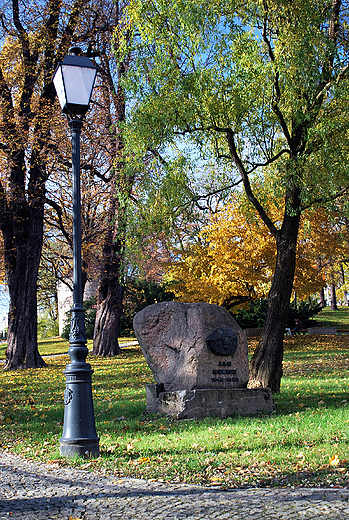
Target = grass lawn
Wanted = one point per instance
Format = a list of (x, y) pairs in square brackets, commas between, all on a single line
[(328, 318), (304, 442), (54, 346)]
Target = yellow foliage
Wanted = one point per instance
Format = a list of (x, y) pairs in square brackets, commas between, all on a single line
[(323, 241), (233, 261), (234, 258)]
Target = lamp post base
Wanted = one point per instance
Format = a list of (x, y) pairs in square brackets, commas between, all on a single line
[(79, 436), (86, 448)]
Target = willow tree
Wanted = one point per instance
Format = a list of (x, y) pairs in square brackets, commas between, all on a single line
[(260, 86), (34, 38)]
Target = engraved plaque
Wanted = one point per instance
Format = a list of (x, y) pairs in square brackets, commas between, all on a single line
[(223, 342)]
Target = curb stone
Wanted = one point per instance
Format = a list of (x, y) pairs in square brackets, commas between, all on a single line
[(33, 491)]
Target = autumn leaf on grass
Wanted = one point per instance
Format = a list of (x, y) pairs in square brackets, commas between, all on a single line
[(334, 461), (301, 459), (216, 481), (143, 460)]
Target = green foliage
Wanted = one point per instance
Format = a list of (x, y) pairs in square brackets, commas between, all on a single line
[(47, 327), (90, 318), (138, 294), (203, 71), (253, 315), (303, 310)]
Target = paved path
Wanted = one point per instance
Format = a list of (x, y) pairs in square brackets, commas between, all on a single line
[(36, 492)]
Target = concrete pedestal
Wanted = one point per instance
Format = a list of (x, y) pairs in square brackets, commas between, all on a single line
[(193, 404)]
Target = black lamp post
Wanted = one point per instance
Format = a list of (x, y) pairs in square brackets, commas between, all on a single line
[(74, 80)]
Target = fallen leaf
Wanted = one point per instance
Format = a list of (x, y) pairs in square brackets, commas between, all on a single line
[(300, 455), (143, 460), (334, 461)]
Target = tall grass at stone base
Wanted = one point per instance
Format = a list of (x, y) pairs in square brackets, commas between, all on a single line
[(304, 442)]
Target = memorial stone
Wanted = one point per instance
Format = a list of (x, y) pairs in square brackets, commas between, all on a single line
[(199, 358), (192, 345)]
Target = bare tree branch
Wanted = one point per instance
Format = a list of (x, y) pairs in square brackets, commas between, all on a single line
[(58, 210)]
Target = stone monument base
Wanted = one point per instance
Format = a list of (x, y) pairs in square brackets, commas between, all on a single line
[(193, 404)]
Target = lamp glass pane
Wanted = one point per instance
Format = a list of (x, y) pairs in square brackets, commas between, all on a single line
[(78, 83), (59, 86)]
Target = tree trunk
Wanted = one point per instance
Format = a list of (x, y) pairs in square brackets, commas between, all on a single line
[(106, 332), (333, 297), (22, 258), (266, 362), (110, 290), (322, 300)]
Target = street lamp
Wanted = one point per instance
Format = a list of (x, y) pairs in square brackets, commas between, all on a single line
[(73, 81)]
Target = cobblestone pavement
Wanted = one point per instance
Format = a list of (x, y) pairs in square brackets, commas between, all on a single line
[(35, 492)]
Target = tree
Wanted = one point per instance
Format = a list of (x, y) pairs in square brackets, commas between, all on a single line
[(58, 239), (262, 87), (120, 179), (233, 260), (34, 39), (106, 184), (330, 248), (47, 291), (230, 263)]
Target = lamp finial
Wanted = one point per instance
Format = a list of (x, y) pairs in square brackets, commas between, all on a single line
[(75, 50)]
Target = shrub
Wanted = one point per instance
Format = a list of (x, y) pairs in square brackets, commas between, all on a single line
[(303, 310), (47, 327), (140, 294), (251, 316), (254, 314)]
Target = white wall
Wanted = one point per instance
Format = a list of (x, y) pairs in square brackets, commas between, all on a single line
[(65, 300)]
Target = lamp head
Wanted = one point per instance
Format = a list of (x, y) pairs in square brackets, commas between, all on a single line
[(74, 80)]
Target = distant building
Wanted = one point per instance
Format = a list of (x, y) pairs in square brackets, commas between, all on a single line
[(65, 300)]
